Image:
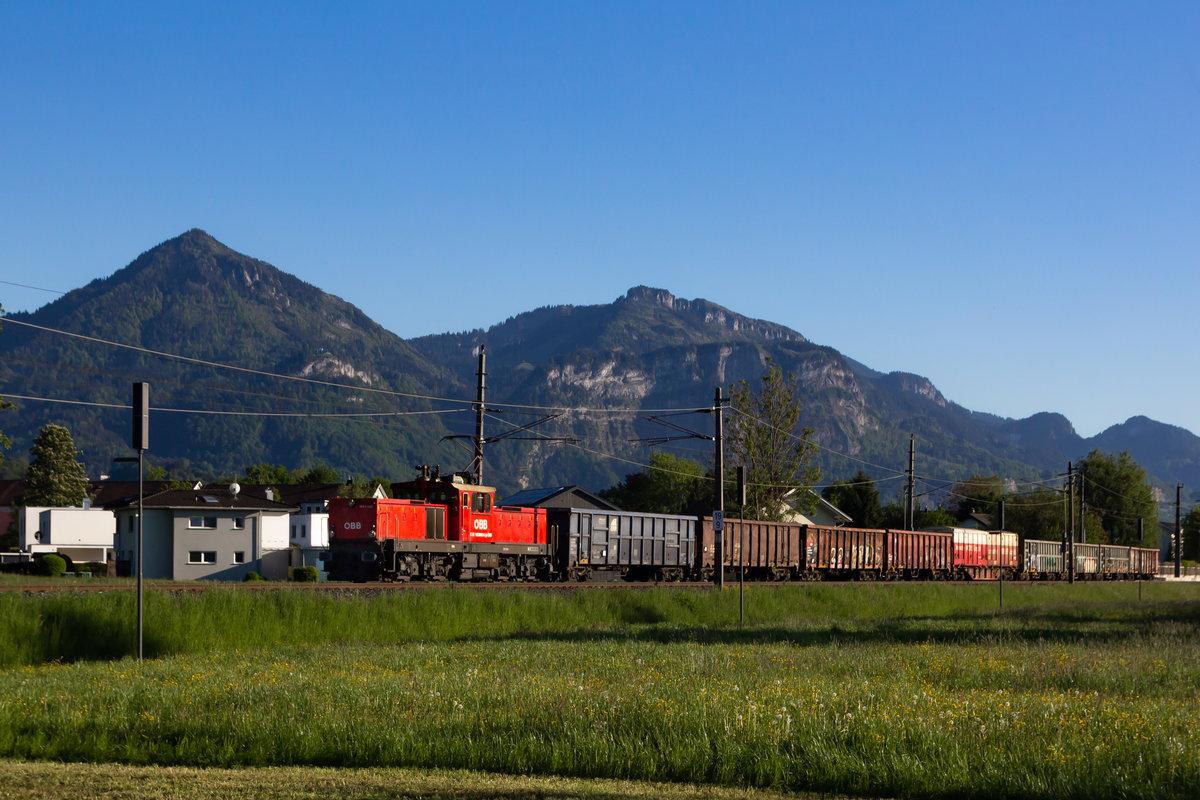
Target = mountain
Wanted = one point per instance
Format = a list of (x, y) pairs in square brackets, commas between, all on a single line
[(1167, 451), (647, 350), (650, 349), (195, 297)]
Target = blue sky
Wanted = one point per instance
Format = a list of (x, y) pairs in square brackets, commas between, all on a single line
[(1001, 196)]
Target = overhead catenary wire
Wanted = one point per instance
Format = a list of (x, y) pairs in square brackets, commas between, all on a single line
[(202, 411), (35, 288), (333, 384)]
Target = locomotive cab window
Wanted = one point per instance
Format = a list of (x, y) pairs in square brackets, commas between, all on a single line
[(482, 504)]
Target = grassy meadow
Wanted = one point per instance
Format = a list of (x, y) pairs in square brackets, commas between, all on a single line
[(905, 690)]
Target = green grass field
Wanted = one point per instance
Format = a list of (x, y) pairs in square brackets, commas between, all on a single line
[(910, 690)]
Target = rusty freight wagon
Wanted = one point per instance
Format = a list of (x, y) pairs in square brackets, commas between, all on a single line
[(844, 553), (592, 544), (767, 550), (918, 555)]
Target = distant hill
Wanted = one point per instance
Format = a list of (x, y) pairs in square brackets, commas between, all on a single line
[(194, 297), (648, 349)]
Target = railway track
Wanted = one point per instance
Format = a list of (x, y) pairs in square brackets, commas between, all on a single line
[(335, 587)]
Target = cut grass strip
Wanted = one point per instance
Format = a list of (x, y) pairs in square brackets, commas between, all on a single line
[(22, 780)]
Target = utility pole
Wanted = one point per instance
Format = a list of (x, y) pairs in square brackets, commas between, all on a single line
[(741, 500), (719, 500), (910, 515), (1068, 535), (1082, 505), (1178, 530), (477, 462)]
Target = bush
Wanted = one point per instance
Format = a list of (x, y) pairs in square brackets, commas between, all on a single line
[(52, 564), (306, 575), (251, 577)]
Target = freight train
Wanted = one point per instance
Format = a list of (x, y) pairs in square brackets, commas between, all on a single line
[(447, 528)]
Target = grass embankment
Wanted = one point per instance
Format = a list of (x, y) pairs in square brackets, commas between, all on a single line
[(908, 690)]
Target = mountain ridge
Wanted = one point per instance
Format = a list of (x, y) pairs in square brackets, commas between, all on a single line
[(649, 348)]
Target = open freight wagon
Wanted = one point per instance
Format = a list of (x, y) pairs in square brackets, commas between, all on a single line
[(792, 551)]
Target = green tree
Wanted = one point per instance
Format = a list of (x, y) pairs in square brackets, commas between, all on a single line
[(936, 517), (978, 493), (1118, 495), (269, 475), (763, 438), (1037, 513), (857, 497), (1191, 535), (55, 477), (360, 486), (670, 485), (319, 473)]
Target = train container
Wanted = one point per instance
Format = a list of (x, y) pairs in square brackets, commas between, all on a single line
[(767, 550), (1004, 549), (983, 555), (843, 552), (926, 555), (1042, 560), (1114, 561), (1087, 561), (591, 544), (1144, 563)]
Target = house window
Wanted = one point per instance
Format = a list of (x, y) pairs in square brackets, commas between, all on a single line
[(202, 557), (203, 523), (239, 523), (239, 557)]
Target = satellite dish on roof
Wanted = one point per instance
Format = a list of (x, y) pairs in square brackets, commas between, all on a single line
[(234, 488)]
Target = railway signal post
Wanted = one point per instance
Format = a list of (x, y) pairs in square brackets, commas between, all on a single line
[(140, 440)]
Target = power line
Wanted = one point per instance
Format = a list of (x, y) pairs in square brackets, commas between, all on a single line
[(293, 414), (356, 388), (36, 288)]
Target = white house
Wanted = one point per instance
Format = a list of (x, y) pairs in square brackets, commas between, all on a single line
[(84, 535)]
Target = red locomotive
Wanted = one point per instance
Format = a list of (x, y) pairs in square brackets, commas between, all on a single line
[(436, 528)]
